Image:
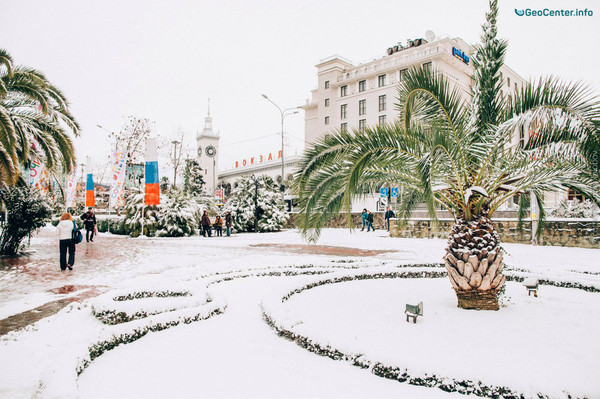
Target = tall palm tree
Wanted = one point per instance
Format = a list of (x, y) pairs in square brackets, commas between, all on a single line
[(458, 151), (34, 115)]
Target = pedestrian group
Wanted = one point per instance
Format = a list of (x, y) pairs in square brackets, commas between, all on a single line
[(206, 226)]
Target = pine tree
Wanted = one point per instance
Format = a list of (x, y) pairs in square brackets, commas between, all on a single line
[(255, 205), (193, 179)]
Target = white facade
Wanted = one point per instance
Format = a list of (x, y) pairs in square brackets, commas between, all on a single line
[(350, 95), (207, 153), (262, 165)]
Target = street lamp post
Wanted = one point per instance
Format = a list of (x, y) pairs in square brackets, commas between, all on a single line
[(283, 113), (175, 160)]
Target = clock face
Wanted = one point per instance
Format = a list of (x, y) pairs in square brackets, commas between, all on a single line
[(211, 151), (199, 151)]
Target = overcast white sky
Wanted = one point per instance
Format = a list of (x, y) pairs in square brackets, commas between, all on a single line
[(163, 59)]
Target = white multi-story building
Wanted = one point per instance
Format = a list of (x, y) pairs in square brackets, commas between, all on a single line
[(355, 96)]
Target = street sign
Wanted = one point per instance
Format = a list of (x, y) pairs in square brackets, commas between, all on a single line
[(383, 192), (395, 192), (383, 201)]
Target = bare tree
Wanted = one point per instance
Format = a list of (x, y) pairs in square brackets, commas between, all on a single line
[(131, 137)]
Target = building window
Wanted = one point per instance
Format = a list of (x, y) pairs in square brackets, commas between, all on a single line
[(402, 74), (343, 110), (381, 80), (382, 103), (327, 120), (362, 107), (362, 124), (343, 91), (327, 84), (327, 102), (362, 85), (516, 86), (508, 82), (427, 66), (382, 119), (575, 195), (344, 127)]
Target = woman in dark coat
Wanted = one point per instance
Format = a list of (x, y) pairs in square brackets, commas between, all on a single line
[(228, 223), (206, 225)]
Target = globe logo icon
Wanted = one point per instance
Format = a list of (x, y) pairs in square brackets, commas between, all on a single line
[(520, 13)]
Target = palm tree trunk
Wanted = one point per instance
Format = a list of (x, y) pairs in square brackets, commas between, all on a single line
[(474, 262)]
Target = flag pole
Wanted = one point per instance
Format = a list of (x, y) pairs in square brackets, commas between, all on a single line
[(142, 233)]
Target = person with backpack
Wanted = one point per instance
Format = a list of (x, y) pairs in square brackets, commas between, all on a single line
[(228, 223), (89, 221), (206, 225), (65, 229)]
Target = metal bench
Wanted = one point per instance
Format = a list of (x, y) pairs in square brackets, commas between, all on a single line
[(532, 285), (413, 311)]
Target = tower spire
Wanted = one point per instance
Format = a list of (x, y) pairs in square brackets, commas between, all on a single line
[(209, 107)]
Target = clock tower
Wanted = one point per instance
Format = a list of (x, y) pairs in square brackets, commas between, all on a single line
[(207, 153)]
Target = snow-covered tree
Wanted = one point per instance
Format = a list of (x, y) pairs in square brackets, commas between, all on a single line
[(575, 209), (27, 210), (178, 215), (255, 205), (133, 214), (451, 150), (193, 179)]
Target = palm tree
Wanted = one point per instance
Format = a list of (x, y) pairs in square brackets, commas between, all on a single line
[(459, 152), (34, 115)]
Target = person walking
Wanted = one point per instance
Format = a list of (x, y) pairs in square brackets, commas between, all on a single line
[(370, 221), (205, 224), (65, 241), (364, 215), (388, 215), (218, 226), (228, 223), (89, 221)]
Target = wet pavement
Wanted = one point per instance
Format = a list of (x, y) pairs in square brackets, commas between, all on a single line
[(32, 286)]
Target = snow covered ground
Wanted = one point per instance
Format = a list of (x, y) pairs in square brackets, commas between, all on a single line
[(188, 320)]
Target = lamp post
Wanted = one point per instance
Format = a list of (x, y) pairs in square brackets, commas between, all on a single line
[(175, 160), (283, 113)]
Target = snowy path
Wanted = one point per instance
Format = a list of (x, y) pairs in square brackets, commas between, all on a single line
[(247, 360)]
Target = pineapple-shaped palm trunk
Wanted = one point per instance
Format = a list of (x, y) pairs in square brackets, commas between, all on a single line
[(474, 262)]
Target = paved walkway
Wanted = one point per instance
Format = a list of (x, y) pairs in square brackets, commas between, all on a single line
[(101, 264)]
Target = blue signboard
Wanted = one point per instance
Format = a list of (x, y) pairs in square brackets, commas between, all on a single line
[(395, 192), (383, 192), (458, 53)]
